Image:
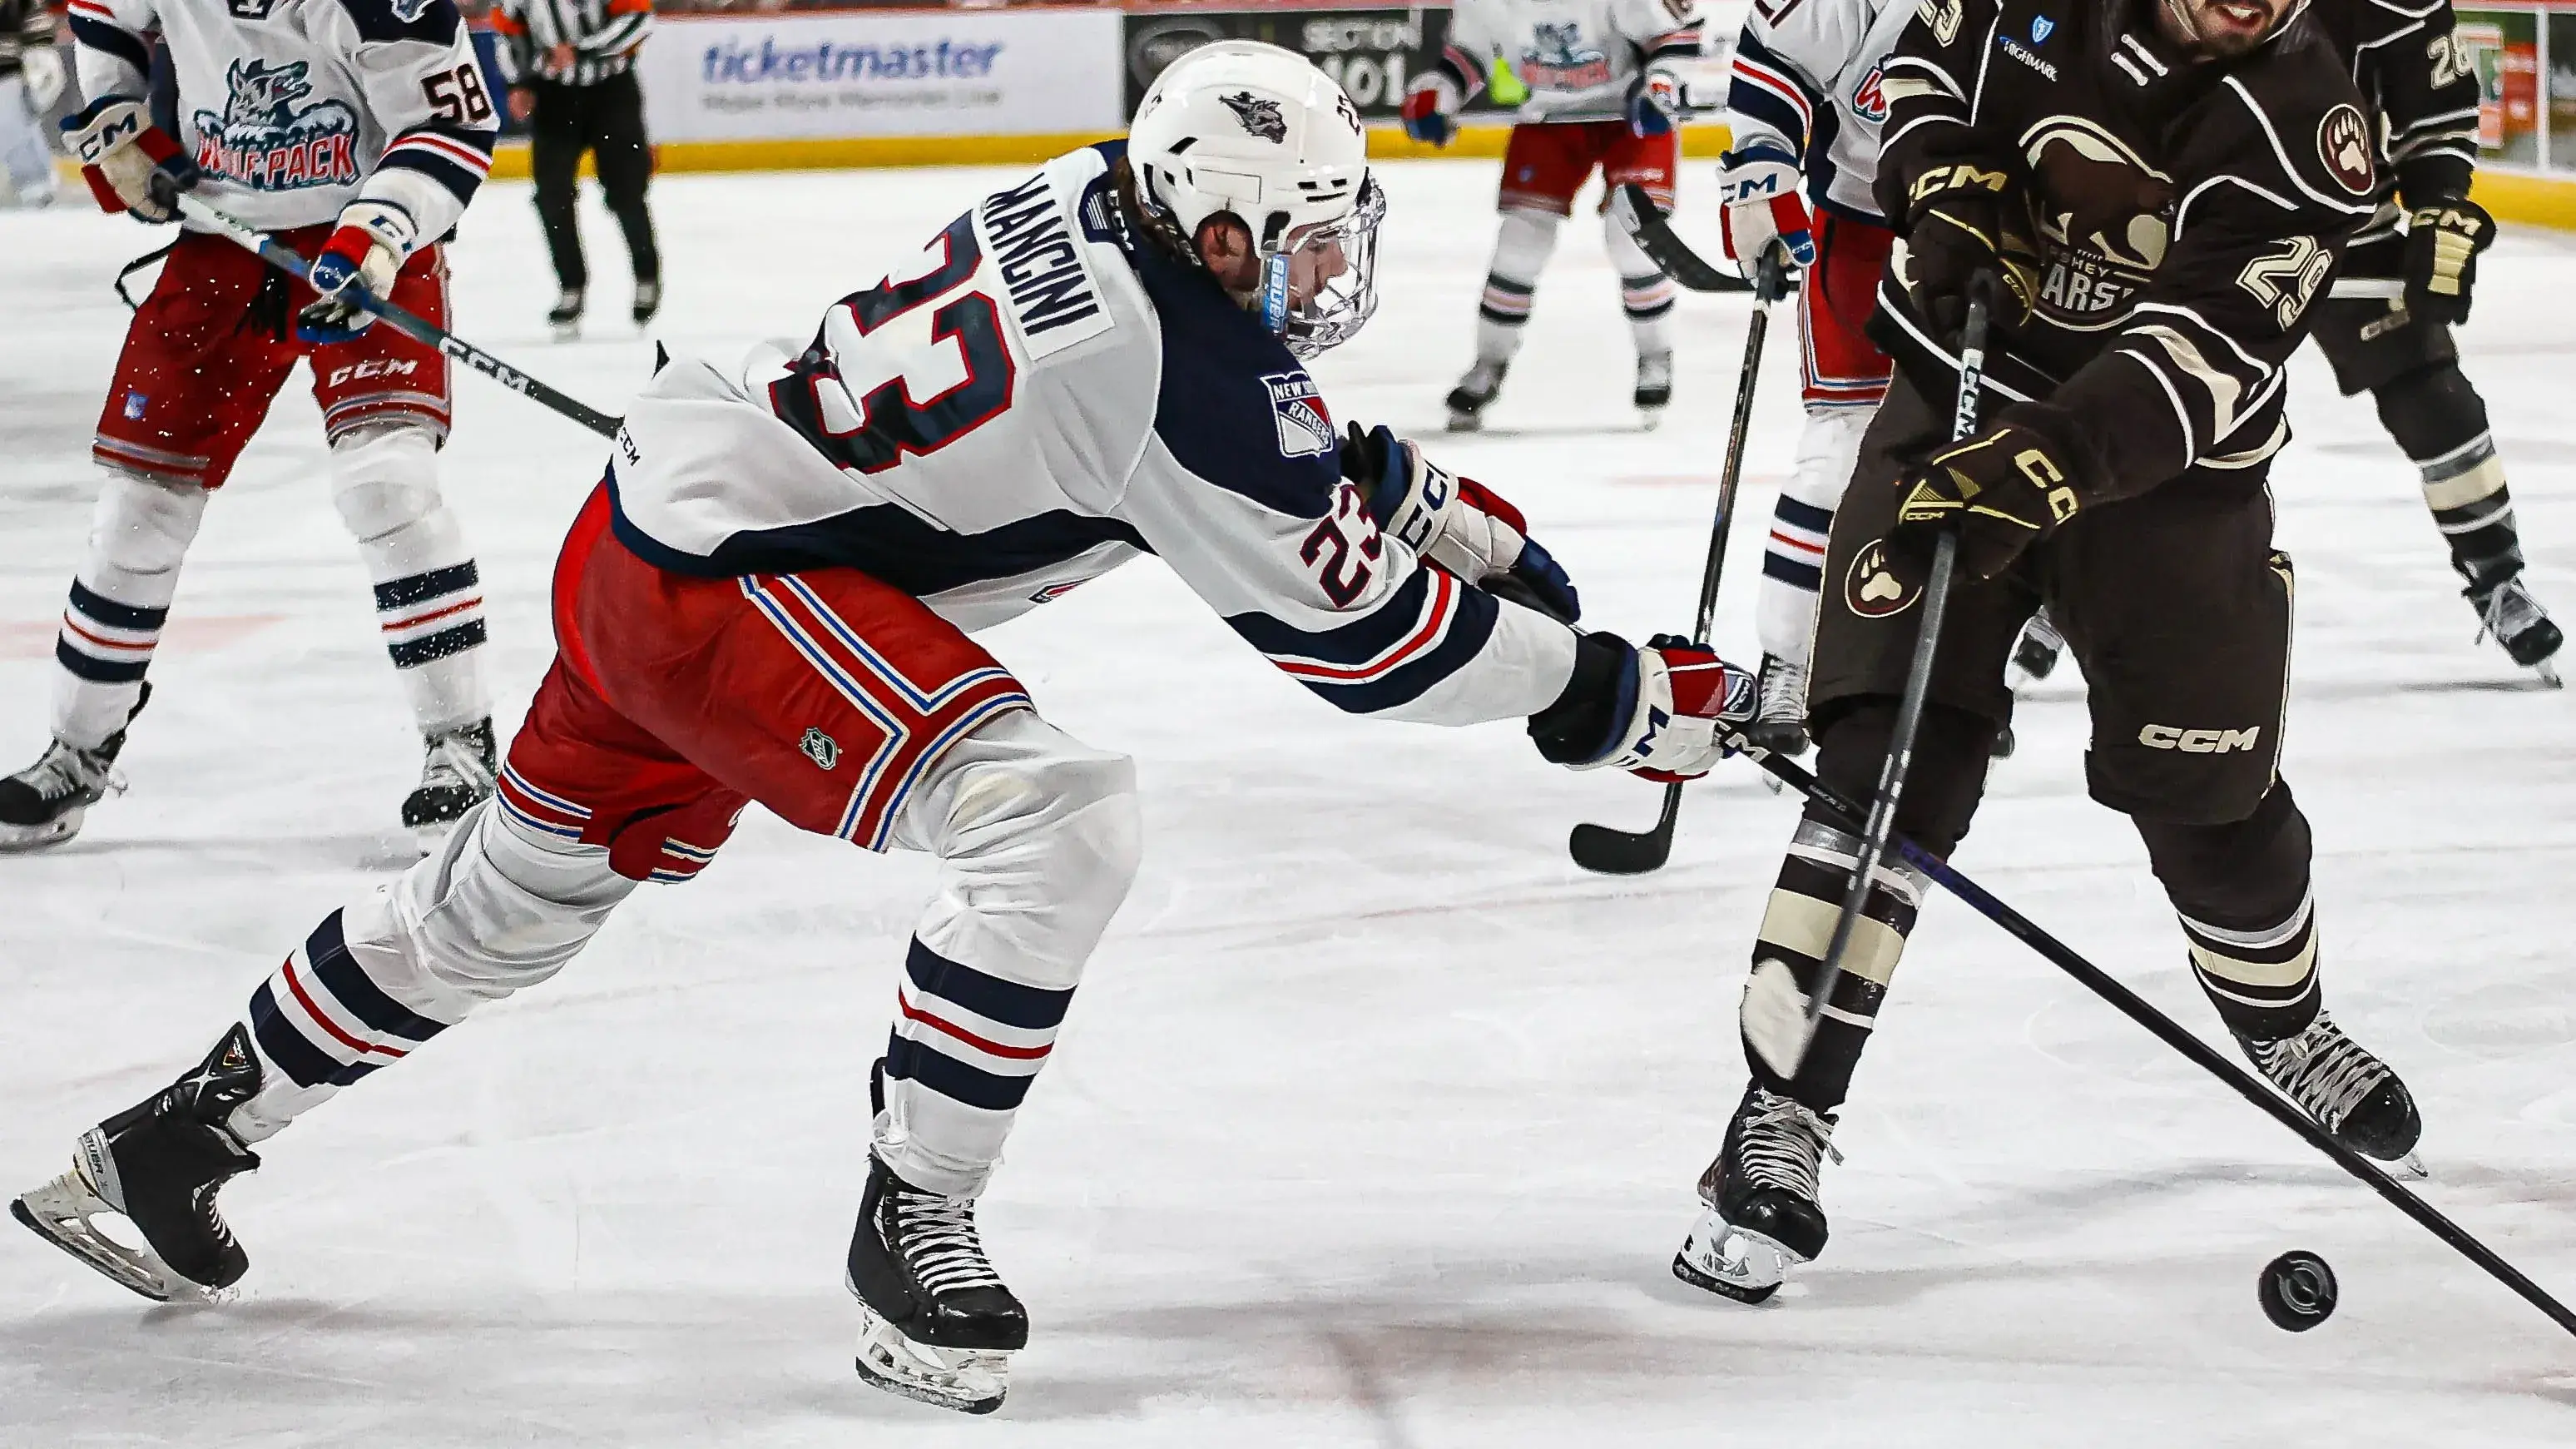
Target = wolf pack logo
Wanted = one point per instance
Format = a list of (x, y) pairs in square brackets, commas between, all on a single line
[(266, 141), (1557, 59), (1260, 116), (2102, 220), (1871, 588), (1869, 98), (1305, 427), (821, 748), (2343, 143)]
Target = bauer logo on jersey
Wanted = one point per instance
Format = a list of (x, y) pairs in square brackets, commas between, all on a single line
[(1871, 588), (267, 142), (2343, 143), (1305, 428)]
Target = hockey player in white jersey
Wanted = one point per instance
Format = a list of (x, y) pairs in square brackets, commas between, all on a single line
[(355, 132), (768, 598), (1804, 92), (1605, 92)]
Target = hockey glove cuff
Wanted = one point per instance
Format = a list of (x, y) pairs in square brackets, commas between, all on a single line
[(1964, 220), (130, 163), (1457, 523), (2443, 239), (365, 253), (1668, 709), (1656, 106), (1431, 107), (1759, 187), (2003, 490)]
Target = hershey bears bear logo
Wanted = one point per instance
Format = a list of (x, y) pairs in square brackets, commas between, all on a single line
[(1259, 116), (1871, 588), (2343, 143), (2101, 220)]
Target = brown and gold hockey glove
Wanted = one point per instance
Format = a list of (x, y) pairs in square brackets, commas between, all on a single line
[(2443, 239), (2003, 490), (1963, 219)]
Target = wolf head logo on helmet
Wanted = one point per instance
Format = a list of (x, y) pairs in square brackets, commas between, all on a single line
[(1259, 116)]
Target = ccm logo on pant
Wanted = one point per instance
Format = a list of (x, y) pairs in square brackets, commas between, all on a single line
[(2198, 742), (380, 367)]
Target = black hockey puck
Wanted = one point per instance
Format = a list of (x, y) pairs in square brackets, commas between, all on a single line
[(2298, 1291)]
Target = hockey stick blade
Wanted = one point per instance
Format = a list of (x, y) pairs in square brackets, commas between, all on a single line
[(1639, 217), (419, 329), (1605, 850)]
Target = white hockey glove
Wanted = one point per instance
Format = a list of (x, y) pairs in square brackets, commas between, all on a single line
[(130, 163), (1457, 523), (1664, 712), (365, 252), (43, 68), (1656, 105), (1759, 185)]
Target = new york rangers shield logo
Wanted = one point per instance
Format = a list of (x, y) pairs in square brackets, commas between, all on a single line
[(1305, 427)]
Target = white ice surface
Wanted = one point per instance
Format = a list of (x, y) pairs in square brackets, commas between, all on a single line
[(1376, 1122)]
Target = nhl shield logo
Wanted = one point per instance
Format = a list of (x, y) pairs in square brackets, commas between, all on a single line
[(1260, 116), (1305, 427), (1871, 588), (820, 748)]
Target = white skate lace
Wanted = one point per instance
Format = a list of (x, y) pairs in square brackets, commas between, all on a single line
[(2508, 612), (456, 759), (1784, 691), (2323, 1070), (941, 1246), (1784, 1143)]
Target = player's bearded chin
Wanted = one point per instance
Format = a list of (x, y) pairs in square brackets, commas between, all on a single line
[(2221, 29)]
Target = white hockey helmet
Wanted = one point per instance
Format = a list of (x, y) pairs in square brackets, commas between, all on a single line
[(1242, 128)]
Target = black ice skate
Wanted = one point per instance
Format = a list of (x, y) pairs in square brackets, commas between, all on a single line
[(939, 1323), (45, 803), (2507, 611), (1779, 722), (158, 1165), (2037, 651), (648, 299), (1468, 399), (565, 319), (456, 777), (2352, 1094), (1654, 387), (1762, 1217)]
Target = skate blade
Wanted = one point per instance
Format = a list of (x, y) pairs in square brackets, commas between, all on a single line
[(1650, 418), (61, 1211), (16, 838), (2548, 673), (969, 1380), (2412, 1167), (1732, 1262), (1466, 423), (565, 331)]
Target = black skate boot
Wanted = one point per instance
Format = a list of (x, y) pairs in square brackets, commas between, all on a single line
[(1780, 718), (2507, 610), (45, 803), (2352, 1094), (1468, 399), (565, 319), (940, 1324), (456, 777), (648, 299), (1762, 1217), (159, 1165), (1654, 387), (2037, 651)]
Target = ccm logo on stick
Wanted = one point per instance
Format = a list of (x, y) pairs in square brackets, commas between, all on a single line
[(2198, 742)]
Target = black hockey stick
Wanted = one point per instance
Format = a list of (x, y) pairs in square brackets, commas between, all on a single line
[(1654, 235), (2102, 984), (419, 329), (1764, 1030), (1601, 848)]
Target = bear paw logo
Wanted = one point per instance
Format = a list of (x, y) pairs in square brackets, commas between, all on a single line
[(1871, 588)]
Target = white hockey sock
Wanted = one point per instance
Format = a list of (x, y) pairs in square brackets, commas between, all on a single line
[(429, 594), (1802, 520), (1645, 293), (120, 598), (1037, 835), (498, 909), (1521, 249)]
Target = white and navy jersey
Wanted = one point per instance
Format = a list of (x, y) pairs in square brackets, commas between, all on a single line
[(1036, 398), (1579, 58), (1806, 78), (604, 36), (295, 108)]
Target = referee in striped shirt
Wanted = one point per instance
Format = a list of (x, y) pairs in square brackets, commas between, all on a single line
[(570, 65)]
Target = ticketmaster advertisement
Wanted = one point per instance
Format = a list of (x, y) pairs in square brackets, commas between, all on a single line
[(901, 73)]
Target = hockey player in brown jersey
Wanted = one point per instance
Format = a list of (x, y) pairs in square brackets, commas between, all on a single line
[(2154, 191)]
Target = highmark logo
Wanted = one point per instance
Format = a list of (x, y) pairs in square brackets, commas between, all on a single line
[(829, 62)]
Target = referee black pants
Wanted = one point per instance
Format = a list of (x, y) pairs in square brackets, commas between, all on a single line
[(607, 120)]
